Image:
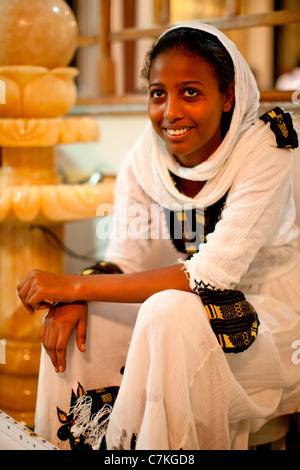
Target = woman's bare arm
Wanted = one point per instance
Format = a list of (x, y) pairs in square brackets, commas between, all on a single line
[(39, 289)]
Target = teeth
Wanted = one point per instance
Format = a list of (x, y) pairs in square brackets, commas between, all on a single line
[(177, 131)]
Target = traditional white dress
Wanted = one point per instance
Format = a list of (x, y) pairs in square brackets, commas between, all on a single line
[(180, 390)]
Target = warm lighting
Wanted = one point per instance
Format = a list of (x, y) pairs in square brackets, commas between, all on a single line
[(195, 9), (37, 90)]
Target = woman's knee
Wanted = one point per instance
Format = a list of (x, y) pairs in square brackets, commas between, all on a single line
[(178, 317), (163, 301), (169, 306)]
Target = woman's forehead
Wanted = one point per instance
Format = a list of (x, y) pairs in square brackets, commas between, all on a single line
[(189, 65)]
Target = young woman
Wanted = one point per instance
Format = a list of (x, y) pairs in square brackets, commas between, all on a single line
[(210, 356)]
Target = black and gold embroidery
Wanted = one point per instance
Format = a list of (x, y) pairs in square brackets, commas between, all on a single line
[(98, 398), (282, 125), (186, 229), (233, 319), (189, 228)]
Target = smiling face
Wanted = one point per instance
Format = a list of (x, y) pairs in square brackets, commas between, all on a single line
[(185, 105)]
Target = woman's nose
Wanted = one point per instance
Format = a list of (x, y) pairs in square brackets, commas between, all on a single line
[(173, 109)]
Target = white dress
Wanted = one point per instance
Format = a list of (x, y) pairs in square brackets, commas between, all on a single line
[(180, 390)]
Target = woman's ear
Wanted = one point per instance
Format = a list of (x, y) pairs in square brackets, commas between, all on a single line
[(229, 98)]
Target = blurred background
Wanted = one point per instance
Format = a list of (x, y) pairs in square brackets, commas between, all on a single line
[(113, 38)]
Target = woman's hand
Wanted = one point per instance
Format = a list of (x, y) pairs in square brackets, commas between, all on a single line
[(57, 328), (39, 289)]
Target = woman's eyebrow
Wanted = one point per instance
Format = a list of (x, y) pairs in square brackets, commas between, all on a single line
[(155, 84), (185, 83), (193, 82)]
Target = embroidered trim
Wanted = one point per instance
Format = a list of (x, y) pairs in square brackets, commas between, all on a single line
[(85, 424), (233, 319), (91, 428), (188, 229), (282, 125), (202, 285)]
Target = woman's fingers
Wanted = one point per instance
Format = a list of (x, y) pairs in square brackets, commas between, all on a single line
[(55, 338), (23, 290), (30, 293), (49, 336), (39, 289), (81, 333), (57, 329), (44, 305), (61, 347), (33, 291)]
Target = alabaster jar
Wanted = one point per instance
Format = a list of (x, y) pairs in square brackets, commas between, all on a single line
[(34, 91)]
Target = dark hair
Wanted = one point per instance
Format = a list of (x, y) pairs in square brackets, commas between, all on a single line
[(203, 44), (196, 42)]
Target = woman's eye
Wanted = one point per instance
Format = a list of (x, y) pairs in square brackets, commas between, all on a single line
[(157, 94), (190, 92)]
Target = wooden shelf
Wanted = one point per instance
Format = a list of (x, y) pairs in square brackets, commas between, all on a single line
[(234, 22)]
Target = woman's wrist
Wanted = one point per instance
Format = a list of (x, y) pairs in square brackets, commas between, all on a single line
[(78, 289), (102, 267), (62, 304), (88, 284)]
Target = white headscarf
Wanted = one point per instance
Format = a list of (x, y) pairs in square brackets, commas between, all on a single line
[(151, 161)]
